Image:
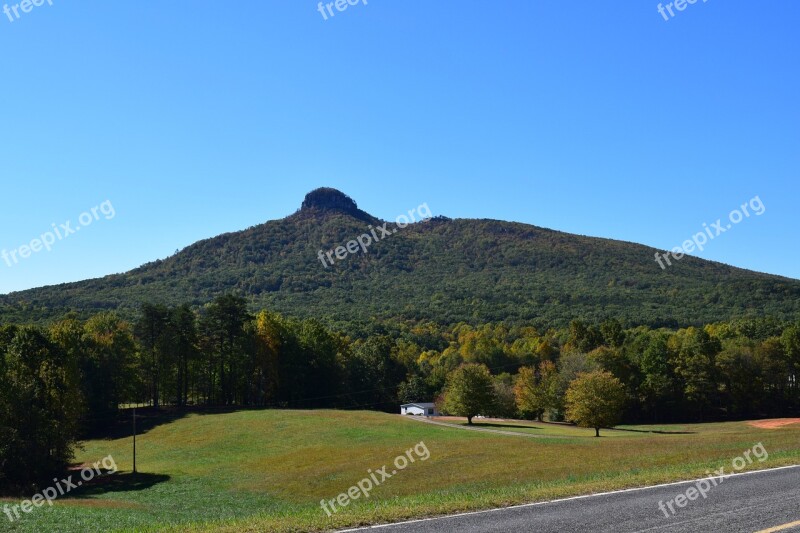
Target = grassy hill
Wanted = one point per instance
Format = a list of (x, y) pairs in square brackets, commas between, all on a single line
[(268, 470), (442, 270)]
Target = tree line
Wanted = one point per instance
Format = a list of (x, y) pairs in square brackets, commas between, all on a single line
[(62, 382), (723, 371)]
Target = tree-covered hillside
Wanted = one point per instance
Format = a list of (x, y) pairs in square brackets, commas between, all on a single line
[(442, 270)]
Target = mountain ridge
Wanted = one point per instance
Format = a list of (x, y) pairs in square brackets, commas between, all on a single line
[(443, 270)]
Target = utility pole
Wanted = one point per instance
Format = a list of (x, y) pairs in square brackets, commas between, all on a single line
[(134, 440)]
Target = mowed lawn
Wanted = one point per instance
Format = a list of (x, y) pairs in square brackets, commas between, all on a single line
[(268, 470)]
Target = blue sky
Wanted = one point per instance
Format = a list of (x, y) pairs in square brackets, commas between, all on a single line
[(198, 118)]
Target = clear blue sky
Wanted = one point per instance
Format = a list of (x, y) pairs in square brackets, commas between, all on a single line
[(198, 118)]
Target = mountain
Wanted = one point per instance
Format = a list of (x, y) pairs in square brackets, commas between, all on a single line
[(440, 269)]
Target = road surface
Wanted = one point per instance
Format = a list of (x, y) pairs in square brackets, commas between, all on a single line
[(765, 501)]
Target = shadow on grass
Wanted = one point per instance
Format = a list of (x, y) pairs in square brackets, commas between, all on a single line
[(659, 432), (118, 482), (148, 418), (521, 426)]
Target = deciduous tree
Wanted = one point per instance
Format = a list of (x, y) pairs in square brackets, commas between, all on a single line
[(469, 391), (595, 400)]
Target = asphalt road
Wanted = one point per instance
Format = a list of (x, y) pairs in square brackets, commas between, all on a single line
[(748, 503)]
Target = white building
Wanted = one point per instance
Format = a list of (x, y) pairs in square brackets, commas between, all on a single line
[(419, 409)]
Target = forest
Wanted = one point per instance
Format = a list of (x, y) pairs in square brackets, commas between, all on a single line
[(72, 378), (447, 271)]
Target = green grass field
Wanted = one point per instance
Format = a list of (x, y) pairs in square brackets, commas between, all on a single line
[(268, 470), (549, 430)]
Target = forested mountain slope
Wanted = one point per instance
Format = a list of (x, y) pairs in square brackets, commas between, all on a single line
[(440, 269)]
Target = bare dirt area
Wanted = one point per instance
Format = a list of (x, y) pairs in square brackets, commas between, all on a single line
[(774, 423)]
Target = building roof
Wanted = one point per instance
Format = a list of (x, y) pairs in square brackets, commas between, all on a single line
[(419, 404)]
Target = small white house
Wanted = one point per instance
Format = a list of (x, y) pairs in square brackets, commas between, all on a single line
[(419, 409)]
